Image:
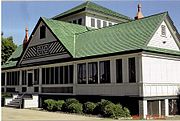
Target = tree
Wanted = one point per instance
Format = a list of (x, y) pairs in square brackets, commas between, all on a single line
[(7, 48)]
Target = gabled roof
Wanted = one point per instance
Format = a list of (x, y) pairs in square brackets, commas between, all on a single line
[(93, 7), (14, 58), (65, 32), (120, 38)]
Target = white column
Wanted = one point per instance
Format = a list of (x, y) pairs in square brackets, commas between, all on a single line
[(98, 73), (20, 81), (166, 107), (75, 78), (159, 107), (40, 80), (113, 71), (143, 108), (125, 70), (5, 85)]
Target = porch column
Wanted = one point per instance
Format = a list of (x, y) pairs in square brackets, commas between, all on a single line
[(166, 107), (20, 81), (159, 104), (113, 71), (5, 84), (143, 108), (75, 78), (40, 80)]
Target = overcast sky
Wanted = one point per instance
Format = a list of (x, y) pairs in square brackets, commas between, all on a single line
[(19, 14)]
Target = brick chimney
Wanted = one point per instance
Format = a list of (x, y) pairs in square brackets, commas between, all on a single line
[(25, 42), (139, 14)]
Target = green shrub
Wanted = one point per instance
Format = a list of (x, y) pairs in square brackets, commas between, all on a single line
[(59, 104), (75, 108), (89, 107), (68, 102), (5, 94), (50, 104), (100, 106), (126, 112), (113, 111)]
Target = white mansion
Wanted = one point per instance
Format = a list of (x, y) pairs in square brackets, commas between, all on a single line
[(92, 52)]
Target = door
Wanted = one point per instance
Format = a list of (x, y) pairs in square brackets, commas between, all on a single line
[(30, 78)]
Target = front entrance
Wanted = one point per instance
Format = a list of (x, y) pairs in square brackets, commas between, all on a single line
[(30, 79)]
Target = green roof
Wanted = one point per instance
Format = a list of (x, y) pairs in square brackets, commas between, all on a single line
[(93, 7), (121, 37), (83, 42), (65, 32), (14, 58)]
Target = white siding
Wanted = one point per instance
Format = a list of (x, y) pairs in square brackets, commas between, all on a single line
[(166, 42), (160, 76)]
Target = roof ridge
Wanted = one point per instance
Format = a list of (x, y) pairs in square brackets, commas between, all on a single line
[(122, 23)]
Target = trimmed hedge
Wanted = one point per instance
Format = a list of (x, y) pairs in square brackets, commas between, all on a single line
[(105, 107), (59, 104), (101, 106), (50, 105), (89, 107)]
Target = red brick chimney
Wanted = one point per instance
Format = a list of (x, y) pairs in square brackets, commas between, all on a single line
[(25, 39), (139, 14)]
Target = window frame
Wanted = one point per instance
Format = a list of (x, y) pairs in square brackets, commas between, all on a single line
[(131, 74)]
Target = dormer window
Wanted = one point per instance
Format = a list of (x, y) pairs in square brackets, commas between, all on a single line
[(74, 22), (42, 32), (98, 23), (163, 30)]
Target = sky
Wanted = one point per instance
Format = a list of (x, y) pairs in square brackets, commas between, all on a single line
[(16, 15)]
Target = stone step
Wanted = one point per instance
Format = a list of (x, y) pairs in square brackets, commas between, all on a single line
[(13, 105)]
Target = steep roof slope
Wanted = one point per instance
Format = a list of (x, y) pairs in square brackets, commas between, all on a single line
[(13, 59), (93, 7), (65, 32), (118, 38)]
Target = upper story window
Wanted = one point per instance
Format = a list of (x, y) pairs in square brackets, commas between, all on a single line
[(104, 71), (132, 70), (42, 32), (98, 23), (104, 23), (119, 71), (80, 21), (92, 22), (163, 30)]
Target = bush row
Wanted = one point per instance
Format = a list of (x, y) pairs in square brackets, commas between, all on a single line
[(104, 107)]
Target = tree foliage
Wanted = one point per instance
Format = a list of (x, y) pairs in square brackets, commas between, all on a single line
[(7, 48)]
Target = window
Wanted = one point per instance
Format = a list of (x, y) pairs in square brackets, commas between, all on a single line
[(52, 75), (132, 70), (24, 77), (92, 22), (43, 75), (119, 74), (2, 79), (104, 23), (36, 76), (71, 74), (163, 30), (81, 73), (80, 21), (61, 75), (66, 74), (57, 79), (104, 68), (74, 22), (13, 78), (110, 23), (42, 32), (47, 75), (92, 73), (98, 23)]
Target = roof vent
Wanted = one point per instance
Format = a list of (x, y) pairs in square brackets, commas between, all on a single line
[(25, 39), (139, 14)]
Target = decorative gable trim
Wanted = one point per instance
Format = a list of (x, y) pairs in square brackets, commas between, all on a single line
[(60, 48)]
